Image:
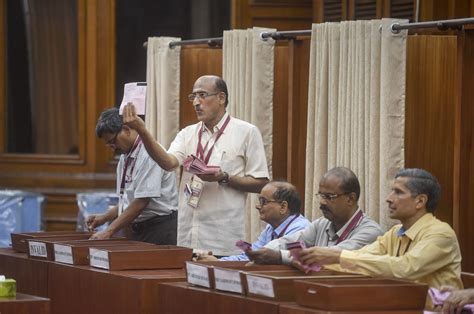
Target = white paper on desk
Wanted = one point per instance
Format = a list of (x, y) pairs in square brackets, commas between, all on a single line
[(136, 94)]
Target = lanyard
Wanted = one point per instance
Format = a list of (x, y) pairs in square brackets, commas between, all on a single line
[(128, 158), (354, 223), (200, 150), (406, 249), (282, 233)]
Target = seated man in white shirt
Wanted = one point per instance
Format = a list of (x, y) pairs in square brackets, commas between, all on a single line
[(344, 225), (279, 206)]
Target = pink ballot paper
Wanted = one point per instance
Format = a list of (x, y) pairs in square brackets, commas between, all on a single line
[(295, 249), (438, 297), (136, 94), (244, 246), (195, 165)]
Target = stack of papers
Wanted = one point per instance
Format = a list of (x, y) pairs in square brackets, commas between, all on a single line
[(195, 165), (295, 249)]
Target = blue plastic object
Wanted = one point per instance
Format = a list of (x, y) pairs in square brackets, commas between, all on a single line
[(20, 211), (93, 203)]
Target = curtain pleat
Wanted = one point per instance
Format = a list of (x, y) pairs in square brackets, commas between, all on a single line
[(248, 67), (356, 109)]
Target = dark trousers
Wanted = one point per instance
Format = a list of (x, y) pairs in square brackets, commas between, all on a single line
[(158, 230)]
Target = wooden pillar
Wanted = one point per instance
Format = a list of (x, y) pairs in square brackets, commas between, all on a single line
[(463, 212)]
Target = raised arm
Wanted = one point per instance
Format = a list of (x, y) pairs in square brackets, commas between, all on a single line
[(155, 150)]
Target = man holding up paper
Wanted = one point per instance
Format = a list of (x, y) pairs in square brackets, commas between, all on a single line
[(148, 197), (211, 205)]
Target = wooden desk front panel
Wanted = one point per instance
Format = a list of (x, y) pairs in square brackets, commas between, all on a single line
[(178, 298), (83, 289), (24, 304), (31, 275), (296, 309)]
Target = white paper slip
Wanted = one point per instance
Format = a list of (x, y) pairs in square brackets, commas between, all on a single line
[(99, 258), (260, 286), (63, 253), (198, 275), (228, 280), (37, 249), (136, 94)]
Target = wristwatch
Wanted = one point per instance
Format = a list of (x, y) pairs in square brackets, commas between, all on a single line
[(224, 180)]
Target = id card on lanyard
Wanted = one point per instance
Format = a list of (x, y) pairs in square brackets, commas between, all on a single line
[(129, 162), (194, 187)]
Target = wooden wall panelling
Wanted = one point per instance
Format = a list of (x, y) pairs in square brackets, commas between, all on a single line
[(60, 177), (298, 74), (429, 125), (195, 62), (463, 150), (282, 15), (280, 112), (3, 74), (330, 10)]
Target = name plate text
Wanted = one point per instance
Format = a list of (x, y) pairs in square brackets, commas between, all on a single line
[(37, 249), (198, 275), (63, 254), (99, 258), (260, 286), (228, 280)]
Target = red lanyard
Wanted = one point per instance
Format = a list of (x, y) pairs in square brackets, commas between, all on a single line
[(354, 223), (200, 150), (128, 158), (282, 233)]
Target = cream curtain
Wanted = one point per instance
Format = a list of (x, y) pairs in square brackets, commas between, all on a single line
[(162, 99), (248, 70), (356, 109)]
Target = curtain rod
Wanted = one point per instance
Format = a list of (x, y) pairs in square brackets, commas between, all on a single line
[(285, 34), (441, 25), (395, 28), (212, 42)]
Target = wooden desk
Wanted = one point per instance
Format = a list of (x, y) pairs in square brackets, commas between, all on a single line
[(179, 297), (31, 275), (296, 309), (84, 289), (24, 304)]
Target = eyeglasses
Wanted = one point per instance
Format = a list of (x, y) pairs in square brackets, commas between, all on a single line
[(200, 95), (330, 196), (113, 140), (263, 201)]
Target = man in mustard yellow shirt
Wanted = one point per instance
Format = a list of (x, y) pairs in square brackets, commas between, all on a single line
[(421, 248)]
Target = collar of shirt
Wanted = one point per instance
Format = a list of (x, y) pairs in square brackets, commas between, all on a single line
[(333, 235), (417, 226), (218, 126), (282, 226)]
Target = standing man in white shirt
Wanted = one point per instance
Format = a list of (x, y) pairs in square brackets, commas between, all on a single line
[(212, 210)]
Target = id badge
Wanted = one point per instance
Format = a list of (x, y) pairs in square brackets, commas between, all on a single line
[(120, 205), (193, 191)]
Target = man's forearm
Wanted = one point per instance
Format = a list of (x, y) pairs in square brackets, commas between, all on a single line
[(129, 214), (156, 151), (247, 183)]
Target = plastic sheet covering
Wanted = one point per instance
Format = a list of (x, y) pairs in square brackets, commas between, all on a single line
[(20, 211), (91, 204)]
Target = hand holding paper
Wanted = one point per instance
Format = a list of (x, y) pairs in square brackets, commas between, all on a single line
[(195, 165), (244, 246), (295, 249)]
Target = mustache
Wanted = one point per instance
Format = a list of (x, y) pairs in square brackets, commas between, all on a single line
[(324, 207)]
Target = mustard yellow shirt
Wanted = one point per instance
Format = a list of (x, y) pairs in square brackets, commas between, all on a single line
[(428, 252)]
